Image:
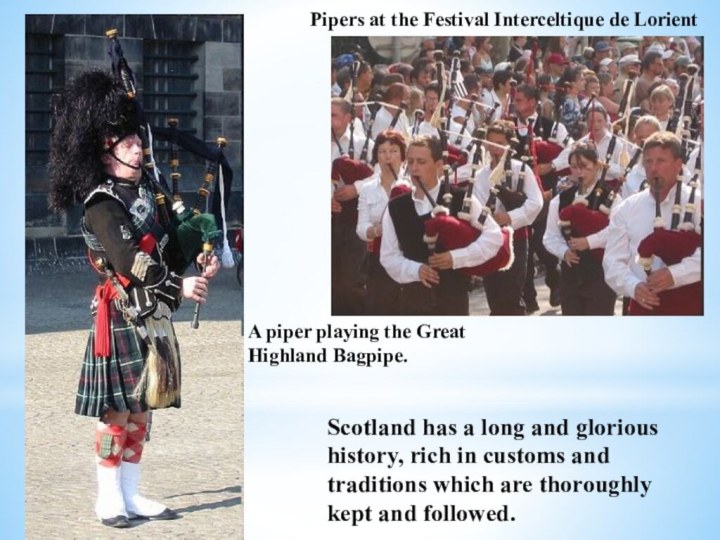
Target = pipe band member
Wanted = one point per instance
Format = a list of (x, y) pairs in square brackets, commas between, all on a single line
[(131, 362), (669, 282), (576, 233), (430, 283)]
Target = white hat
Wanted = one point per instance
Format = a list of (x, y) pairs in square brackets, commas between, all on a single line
[(606, 61), (630, 59), (667, 55), (502, 66), (625, 45)]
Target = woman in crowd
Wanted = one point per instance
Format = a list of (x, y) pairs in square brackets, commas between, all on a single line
[(389, 154), (576, 234), (482, 58)]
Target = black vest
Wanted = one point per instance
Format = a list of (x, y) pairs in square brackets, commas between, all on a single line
[(542, 127), (450, 297), (594, 200), (589, 269), (409, 226)]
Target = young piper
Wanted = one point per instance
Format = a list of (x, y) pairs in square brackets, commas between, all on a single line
[(431, 283), (580, 239), (95, 159), (504, 289)]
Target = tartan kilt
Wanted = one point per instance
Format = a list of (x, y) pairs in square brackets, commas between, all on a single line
[(108, 383)]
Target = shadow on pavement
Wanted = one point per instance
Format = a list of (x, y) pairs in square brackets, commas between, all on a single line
[(60, 301)]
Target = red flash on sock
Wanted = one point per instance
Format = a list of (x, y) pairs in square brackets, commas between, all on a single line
[(134, 442), (109, 444)]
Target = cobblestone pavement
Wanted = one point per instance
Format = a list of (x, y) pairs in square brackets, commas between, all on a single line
[(193, 462), (478, 302)]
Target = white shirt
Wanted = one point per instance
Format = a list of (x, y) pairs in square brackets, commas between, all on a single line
[(499, 106), (404, 270), (630, 223), (372, 202), (384, 118), (524, 215), (458, 111), (553, 239), (633, 180), (614, 171), (692, 164), (559, 133), (344, 143), (358, 142)]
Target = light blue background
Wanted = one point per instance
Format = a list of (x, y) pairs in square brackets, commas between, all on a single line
[(530, 370)]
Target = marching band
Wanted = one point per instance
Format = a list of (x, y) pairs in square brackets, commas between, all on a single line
[(587, 168)]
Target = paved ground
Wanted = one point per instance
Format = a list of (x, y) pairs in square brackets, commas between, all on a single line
[(478, 302), (193, 462)]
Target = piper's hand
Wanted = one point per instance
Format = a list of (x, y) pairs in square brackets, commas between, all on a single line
[(660, 280), (578, 244), (212, 268), (502, 218), (195, 288), (335, 207), (646, 297), (441, 261), (571, 257), (428, 276), (547, 195), (345, 193)]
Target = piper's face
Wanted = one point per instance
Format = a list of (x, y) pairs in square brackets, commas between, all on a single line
[(495, 151), (524, 106), (339, 120), (585, 170), (597, 123), (423, 78), (660, 106), (422, 167), (643, 131), (431, 102), (128, 152), (661, 164), (389, 154)]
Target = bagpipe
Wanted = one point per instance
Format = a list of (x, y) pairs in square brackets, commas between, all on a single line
[(511, 198), (671, 246), (581, 219), (188, 229), (445, 232), (625, 109), (347, 171)]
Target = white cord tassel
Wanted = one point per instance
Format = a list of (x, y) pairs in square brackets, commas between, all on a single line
[(498, 173), (156, 173), (227, 257)]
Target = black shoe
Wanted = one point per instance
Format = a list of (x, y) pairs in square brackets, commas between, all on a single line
[(531, 307), (117, 522), (555, 296), (165, 515)]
